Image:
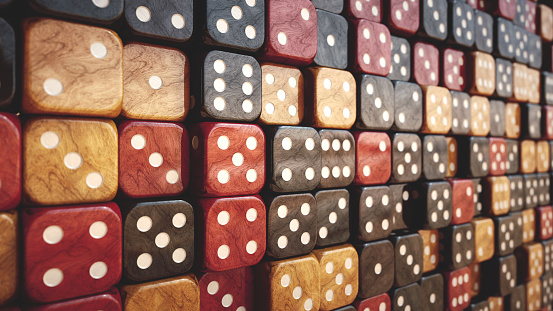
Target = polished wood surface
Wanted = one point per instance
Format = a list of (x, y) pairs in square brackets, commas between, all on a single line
[(283, 95), (8, 256), (10, 161)]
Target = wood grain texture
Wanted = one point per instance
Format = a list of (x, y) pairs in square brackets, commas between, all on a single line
[(483, 34), (496, 303), (217, 148), (10, 155), (505, 38), (432, 290), (149, 225), (178, 293), (291, 225), (361, 10), (542, 156), (517, 300), (544, 223), (408, 295), (279, 282), (244, 33), (232, 232), (142, 172), (84, 10), (107, 301), (401, 64), (426, 64), (7, 64), (512, 120), (282, 95), (71, 69), (431, 247), (527, 156), (334, 6), (484, 238), (371, 47), (332, 217), (374, 303), (373, 158), (528, 225), (52, 172), (460, 113), (65, 259), (376, 268), (533, 295), (338, 262), (158, 19), (8, 256), (434, 157), (408, 106), (497, 118), (430, 27), (453, 69), (498, 156), (337, 158), (371, 212), (462, 201), (504, 78), (228, 289), (291, 32), (330, 98), (407, 246), (545, 22), (144, 97), (402, 18), (452, 159), (437, 110), (332, 40), (529, 261), (406, 158), (376, 103), (457, 292)]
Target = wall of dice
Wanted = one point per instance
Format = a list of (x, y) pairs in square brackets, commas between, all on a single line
[(276, 155)]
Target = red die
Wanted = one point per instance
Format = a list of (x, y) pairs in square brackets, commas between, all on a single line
[(233, 232), (10, 161), (71, 251), (545, 222), (372, 48), (458, 286), (363, 9), (404, 16), (498, 156), (108, 301), (462, 200), (426, 64), (477, 4), (373, 158), (228, 159), (531, 16), (291, 32), (380, 303), (503, 8), (453, 65), (231, 289), (153, 159), (548, 122)]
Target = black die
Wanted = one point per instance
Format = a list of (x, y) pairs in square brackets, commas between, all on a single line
[(332, 40), (504, 78), (512, 156), (406, 158), (332, 217), (477, 198), (497, 118), (460, 113), (375, 103), (334, 6), (7, 64), (505, 35), (104, 12), (400, 196), (462, 23), (499, 275), (430, 205), (517, 192), (432, 290), (434, 156), (457, 246), (476, 163), (534, 51), (483, 39), (409, 295), (408, 106), (434, 19), (338, 158), (372, 213), (520, 16), (544, 188), (376, 268), (531, 194), (547, 256), (521, 44), (516, 301), (547, 290), (401, 60), (531, 121), (408, 253), (504, 231)]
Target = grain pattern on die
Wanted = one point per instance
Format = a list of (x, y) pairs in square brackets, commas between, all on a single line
[(10, 161), (8, 256)]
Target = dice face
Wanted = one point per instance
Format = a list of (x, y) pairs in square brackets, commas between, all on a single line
[(330, 96), (10, 155), (504, 235), (530, 261), (293, 282), (516, 301), (512, 165), (406, 158), (521, 43), (533, 85), (52, 274), (531, 195), (338, 262), (458, 242), (462, 200), (374, 213), (547, 289), (282, 96), (291, 32), (55, 88), (361, 10), (81, 153), (332, 40), (374, 303), (482, 72), (528, 156), (461, 112), (152, 295), (400, 68), (223, 166), (520, 82), (431, 249), (169, 20), (545, 22), (520, 15), (376, 103), (437, 110), (548, 256), (498, 156), (376, 268), (475, 276), (373, 158), (517, 192), (158, 239), (478, 159), (235, 24), (337, 157), (434, 156), (531, 115), (512, 120), (498, 195), (372, 48), (478, 189), (434, 18), (233, 233), (542, 157), (483, 33), (110, 301), (547, 87), (499, 275), (408, 103), (9, 274), (504, 76), (231, 87), (462, 24), (407, 297), (291, 225), (453, 69), (483, 239), (7, 77), (400, 195), (497, 118), (404, 16), (528, 225), (426, 64), (544, 188), (295, 159), (159, 91), (533, 295), (457, 289), (480, 116), (545, 222), (408, 254), (534, 51), (505, 38), (435, 197), (451, 157), (432, 289), (227, 289), (332, 217)]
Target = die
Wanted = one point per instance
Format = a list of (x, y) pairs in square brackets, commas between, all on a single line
[(475, 274), (520, 15), (227, 289), (462, 201), (408, 107), (521, 43), (158, 239), (182, 291), (357, 9), (408, 296), (478, 157), (504, 78), (505, 235), (403, 17), (451, 157), (516, 301), (432, 289), (8, 253), (544, 224), (434, 19), (530, 261), (483, 33), (373, 159), (332, 40), (55, 88), (228, 240), (461, 113), (547, 290), (499, 275), (430, 205), (533, 295), (542, 157), (481, 70), (534, 51), (497, 118), (512, 120), (512, 165), (434, 157), (8, 75), (528, 156), (337, 158), (431, 248), (381, 301), (498, 156), (406, 158), (376, 268), (533, 85), (334, 6), (457, 246), (528, 225), (547, 120), (373, 213), (462, 24), (520, 82), (109, 301), (453, 72), (10, 168), (437, 110), (544, 188), (400, 196), (457, 289), (547, 88), (332, 217), (484, 239), (426, 64), (371, 48), (376, 103), (52, 269), (505, 37), (400, 68), (478, 189), (480, 116), (545, 22), (531, 9), (498, 198), (496, 303), (531, 194), (531, 116), (408, 258)]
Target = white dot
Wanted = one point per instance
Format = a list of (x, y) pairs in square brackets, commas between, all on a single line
[(286, 143), (223, 252), (222, 26), (179, 255), (305, 238), (144, 261), (285, 280), (98, 270), (162, 240), (98, 50), (305, 209), (223, 142), (307, 305), (156, 159), (94, 180), (227, 300), (282, 39), (286, 174), (52, 277), (305, 14), (297, 292), (101, 3), (172, 176), (219, 66), (49, 140), (52, 234), (73, 160), (251, 247), (237, 159), (309, 144), (213, 287), (282, 241), (98, 230), (382, 146), (53, 87), (178, 21), (143, 14), (138, 142), (223, 218), (247, 88)]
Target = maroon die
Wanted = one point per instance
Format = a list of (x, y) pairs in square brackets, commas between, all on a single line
[(498, 156), (108, 301), (462, 200), (232, 289), (71, 251), (426, 64), (531, 16), (228, 159), (381, 303), (372, 48), (403, 16), (544, 225), (364, 9), (373, 158), (453, 64), (232, 232), (548, 122), (10, 161), (503, 8), (291, 36), (458, 286)]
